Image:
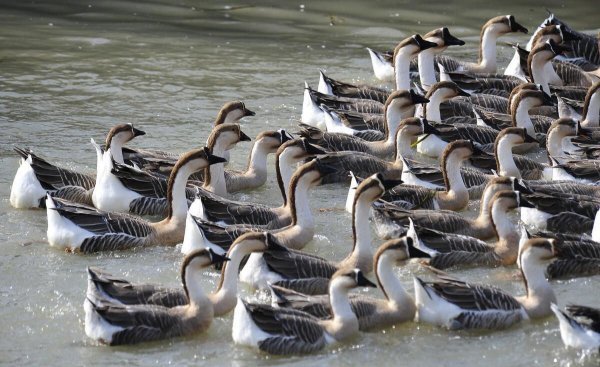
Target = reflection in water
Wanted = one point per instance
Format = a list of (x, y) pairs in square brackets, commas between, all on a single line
[(72, 69)]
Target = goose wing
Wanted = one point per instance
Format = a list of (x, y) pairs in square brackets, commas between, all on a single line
[(356, 91), (479, 134), (588, 169), (293, 331), (346, 104), (573, 267), (52, 177), (295, 264), (473, 296), (333, 141), (234, 212), (100, 222), (419, 197), (450, 242), (311, 286), (591, 315)]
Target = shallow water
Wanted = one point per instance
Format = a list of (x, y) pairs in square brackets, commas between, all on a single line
[(69, 70)]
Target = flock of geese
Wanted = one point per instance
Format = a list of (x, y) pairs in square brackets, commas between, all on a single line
[(478, 123)]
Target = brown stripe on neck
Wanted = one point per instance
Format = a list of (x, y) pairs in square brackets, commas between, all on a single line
[(444, 159), (516, 90), (364, 186), (301, 171), (588, 97), (183, 160), (494, 20), (212, 141), (226, 109), (405, 42), (388, 245), (509, 130), (518, 99), (393, 96), (534, 51)]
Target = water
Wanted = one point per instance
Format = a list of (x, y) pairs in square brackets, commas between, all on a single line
[(69, 70)]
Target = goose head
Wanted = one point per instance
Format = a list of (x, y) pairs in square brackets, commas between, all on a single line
[(411, 47), (556, 32), (273, 139), (121, 134), (565, 126), (346, 279), (256, 242), (445, 90), (503, 24), (516, 90), (402, 101), (400, 249), (539, 56), (198, 260), (506, 200), (538, 249), (376, 185), (415, 126), (298, 149), (442, 38), (513, 136), (460, 149), (232, 112), (227, 135), (196, 160), (530, 98), (313, 171)]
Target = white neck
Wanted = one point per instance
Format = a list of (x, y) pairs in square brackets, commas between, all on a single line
[(304, 218), (488, 51), (537, 69), (455, 180), (551, 75), (402, 67), (534, 272), (179, 200), (554, 142), (116, 149), (596, 229), (225, 299), (389, 282), (196, 294), (433, 107), (484, 206), (362, 255), (591, 118), (505, 228), (340, 304), (217, 171), (286, 168), (258, 159), (393, 117), (426, 67), (522, 116), (504, 155), (403, 148)]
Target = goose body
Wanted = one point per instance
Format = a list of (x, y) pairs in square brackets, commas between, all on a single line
[(579, 326), (116, 324), (382, 65), (455, 304), (372, 313), (288, 331), (273, 266), (81, 228), (36, 176), (560, 212)]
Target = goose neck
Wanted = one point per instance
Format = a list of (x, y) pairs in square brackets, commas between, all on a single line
[(344, 322), (403, 146), (391, 286), (508, 234), (361, 256), (487, 56), (257, 164), (178, 200), (426, 68), (521, 116), (214, 180), (591, 118), (505, 162), (537, 72), (539, 292), (196, 295), (402, 68), (299, 204), (554, 142), (432, 109)]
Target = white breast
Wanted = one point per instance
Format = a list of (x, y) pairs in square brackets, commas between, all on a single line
[(62, 232), (109, 193), (244, 331), (26, 190), (256, 272), (432, 146), (96, 327)]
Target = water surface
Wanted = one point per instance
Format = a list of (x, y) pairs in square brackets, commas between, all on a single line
[(69, 70)]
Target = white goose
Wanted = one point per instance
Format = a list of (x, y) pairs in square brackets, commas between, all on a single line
[(36, 177), (455, 304), (287, 331), (579, 326), (117, 324), (81, 228)]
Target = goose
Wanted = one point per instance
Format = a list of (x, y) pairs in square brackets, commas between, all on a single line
[(585, 46), (297, 234), (382, 65), (455, 304), (579, 326), (128, 189), (390, 218), (404, 52), (577, 257), (149, 159), (266, 142), (490, 32), (287, 331), (590, 111), (560, 212), (273, 266), (85, 229), (120, 291), (341, 141), (585, 171), (117, 324), (36, 176), (370, 126), (454, 197), (372, 313), (440, 92), (364, 164), (213, 208)]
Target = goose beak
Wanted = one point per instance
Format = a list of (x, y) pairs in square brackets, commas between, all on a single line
[(423, 44), (524, 203), (417, 98), (461, 92), (361, 281), (285, 136), (529, 139), (216, 258), (138, 132), (247, 112), (414, 252), (450, 40), (521, 186), (312, 149), (428, 128), (389, 184), (547, 99), (213, 159), (567, 34), (516, 27), (244, 137)]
